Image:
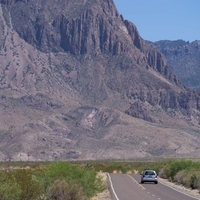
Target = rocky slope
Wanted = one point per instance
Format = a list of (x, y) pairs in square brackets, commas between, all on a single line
[(183, 59), (78, 82)]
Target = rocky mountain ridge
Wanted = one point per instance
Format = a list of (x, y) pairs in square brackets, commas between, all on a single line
[(78, 82), (183, 59)]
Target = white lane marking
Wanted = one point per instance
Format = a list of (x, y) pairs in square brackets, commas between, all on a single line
[(111, 184), (179, 191)]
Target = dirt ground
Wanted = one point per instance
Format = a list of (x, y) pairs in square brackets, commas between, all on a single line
[(106, 194)]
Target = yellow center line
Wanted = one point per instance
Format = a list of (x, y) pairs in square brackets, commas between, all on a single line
[(143, 188)]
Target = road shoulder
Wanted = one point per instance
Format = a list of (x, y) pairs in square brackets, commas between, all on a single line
[(180, 188)]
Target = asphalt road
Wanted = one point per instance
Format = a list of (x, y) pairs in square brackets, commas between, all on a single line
[(128, 187)]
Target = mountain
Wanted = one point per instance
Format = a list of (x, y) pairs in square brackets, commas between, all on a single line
[(183, 58), (78, 82)]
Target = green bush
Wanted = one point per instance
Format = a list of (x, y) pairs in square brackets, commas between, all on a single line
[(185, 172), (28, 183), (72, 174), (50, 181), (9, 189), (193, 181), (179, 165)]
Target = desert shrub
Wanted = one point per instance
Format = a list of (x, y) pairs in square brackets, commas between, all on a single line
[(179, 165), (72, 174), (186, 180), (179, 177), (198, 182), (164, 172), (185, 172), (9, 189), (99, 166), (191, 179), (61, 190), (30, 187), (114, 166)]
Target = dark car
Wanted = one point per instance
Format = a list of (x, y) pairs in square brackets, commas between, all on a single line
[(149, 176)]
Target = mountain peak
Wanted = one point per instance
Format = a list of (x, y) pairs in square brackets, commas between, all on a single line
[(76, 79)]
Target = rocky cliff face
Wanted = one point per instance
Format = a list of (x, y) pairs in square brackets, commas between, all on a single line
[(8, 2), (89, 33), (184, 60), (75, 77)]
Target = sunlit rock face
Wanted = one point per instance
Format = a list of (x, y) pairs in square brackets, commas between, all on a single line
[(78, 82)]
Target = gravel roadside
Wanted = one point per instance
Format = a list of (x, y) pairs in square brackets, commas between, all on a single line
[(181, 188)]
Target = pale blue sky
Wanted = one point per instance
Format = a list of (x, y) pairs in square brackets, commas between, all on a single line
[(163, 19)]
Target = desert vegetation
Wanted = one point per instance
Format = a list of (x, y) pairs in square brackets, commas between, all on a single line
[(49, 181), (80, 180)]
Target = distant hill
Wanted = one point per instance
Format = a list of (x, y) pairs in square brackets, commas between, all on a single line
[(77, 81), (184, 60)]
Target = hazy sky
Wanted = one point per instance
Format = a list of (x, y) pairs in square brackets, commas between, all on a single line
[(163, 19)]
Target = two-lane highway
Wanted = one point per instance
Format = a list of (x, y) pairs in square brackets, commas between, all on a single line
[(128, 187)]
